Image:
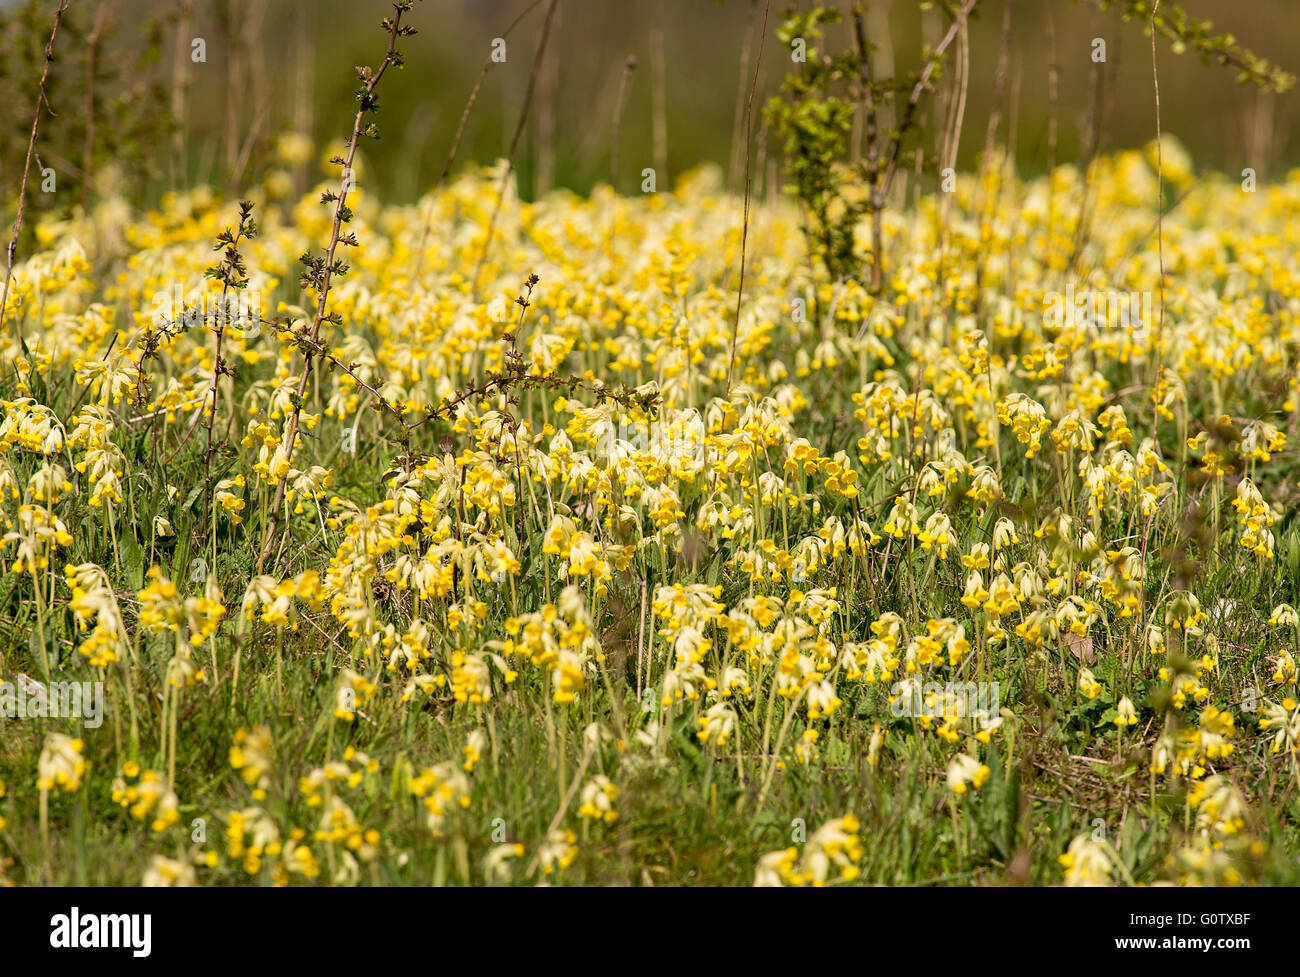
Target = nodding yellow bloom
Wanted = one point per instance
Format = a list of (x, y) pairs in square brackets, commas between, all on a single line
[(444, 789), (1284, 670), (253, 755), (1220, 808), (168, 872), (902, 520), (938, 534), (1125, 714), (496, 865), (873, 746), (351, 691), (471, 681), (149, 795), (558, 851), (830, 856), (1087, 863), (61, 764), (1088, 684), (598, 797), (717, 724), (963, 771), (1284, 616), (977, 558), (476, 744)]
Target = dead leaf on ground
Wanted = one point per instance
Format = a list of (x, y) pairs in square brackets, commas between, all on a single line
[(1080, 646)]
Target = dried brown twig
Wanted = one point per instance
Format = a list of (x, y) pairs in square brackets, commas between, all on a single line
[(321, 270), (12, 250)]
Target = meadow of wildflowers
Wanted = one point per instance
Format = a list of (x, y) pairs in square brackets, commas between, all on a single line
[(499, 543)]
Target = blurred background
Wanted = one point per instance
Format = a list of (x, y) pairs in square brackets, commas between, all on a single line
[(622, 85)]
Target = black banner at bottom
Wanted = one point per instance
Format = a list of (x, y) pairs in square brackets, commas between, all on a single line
[(139, 927)]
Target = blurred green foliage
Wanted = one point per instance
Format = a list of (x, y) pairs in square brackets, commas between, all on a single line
[(283, 65)]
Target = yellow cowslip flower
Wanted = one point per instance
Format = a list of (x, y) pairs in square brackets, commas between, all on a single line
[(61, 764), (829, 857), (253, 756), (558, 851), (1125, 714), (717, 724), (1088, 684), (1087, 863), (168, 872), (966, 771), (598, 797)]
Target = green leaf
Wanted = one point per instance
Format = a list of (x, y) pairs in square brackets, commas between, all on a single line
[(133, 559)]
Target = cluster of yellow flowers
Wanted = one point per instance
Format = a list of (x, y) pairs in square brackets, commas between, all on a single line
[(886, 493), (829, 856)]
